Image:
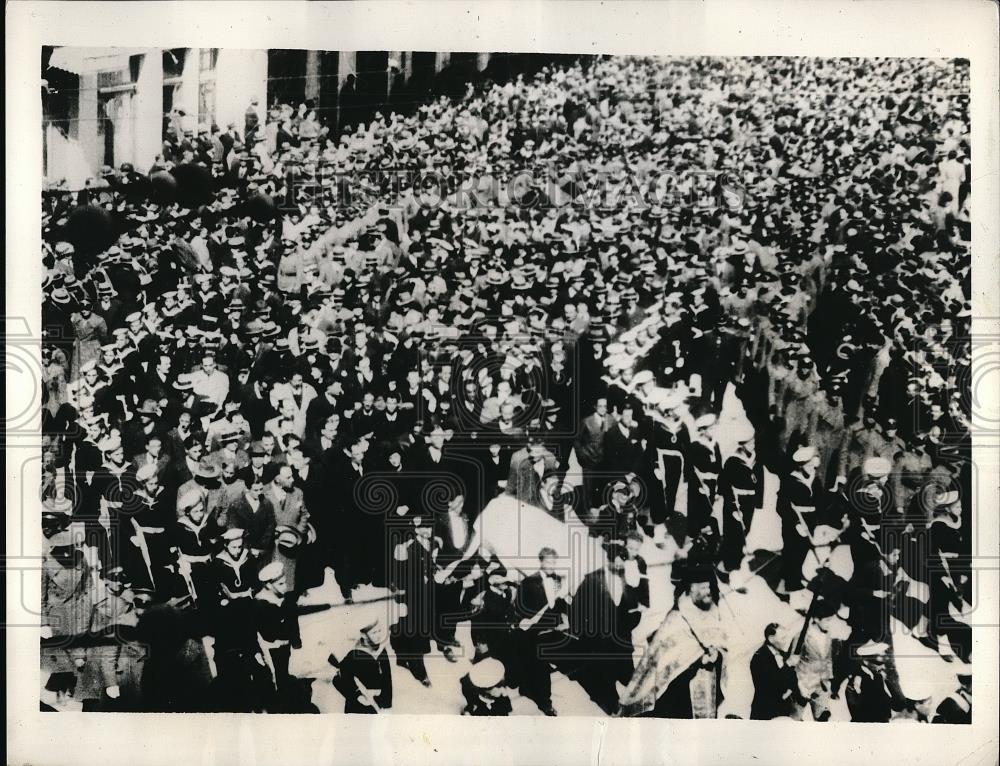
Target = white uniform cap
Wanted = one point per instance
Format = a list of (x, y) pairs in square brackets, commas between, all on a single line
[(804, 454), (190, 500), (873, 649), (487, 673), (877, 466), (145, 472), (705, 421), (271, 572), (642, 377)]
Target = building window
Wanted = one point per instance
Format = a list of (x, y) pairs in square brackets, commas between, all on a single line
[(173, 78), (115, 116), (173, 63), (209, 57), (112, 79), (206, 102)]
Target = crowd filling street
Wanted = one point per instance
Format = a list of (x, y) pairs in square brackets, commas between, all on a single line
[(711, 313)]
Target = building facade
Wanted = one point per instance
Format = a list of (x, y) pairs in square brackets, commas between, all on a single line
[(106, 107), (103, 107)]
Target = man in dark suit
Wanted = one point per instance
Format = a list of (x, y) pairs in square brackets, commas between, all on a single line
[(589, 448), (228, 139), (624, 445), (364, 418), (442, 465), (774, 679), (538, 608), (495, 468), (153, 456), (321, 408), (392, 425), (254, 472), (527, 467)]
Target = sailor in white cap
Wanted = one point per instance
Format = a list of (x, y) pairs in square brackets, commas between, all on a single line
[(135, 326), (111, 486), (274, 616), (869, 698), (196, 537), (739, 491), (705, 463), (110, 363), (877, 467), (797, 509), (365, 677), (869, 491), (671, 441), (234, 568), (84, 392), (643, 384), (147, 557), (484, 691)]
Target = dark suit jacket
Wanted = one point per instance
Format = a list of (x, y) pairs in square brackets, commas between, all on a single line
[(770, 683), (590, 441), (624, 454), (259, 525), (531, 600), (872, 704)]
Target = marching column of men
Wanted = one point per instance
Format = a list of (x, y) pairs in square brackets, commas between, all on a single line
[(243, 405)]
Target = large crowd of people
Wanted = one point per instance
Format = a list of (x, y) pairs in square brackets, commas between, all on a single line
[(288, 356)]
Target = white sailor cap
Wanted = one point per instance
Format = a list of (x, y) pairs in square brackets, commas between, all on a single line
[(271, 572), (145, 472), (705, 421), (487, 673), (643, 377), (189, 500), (877, 467), (804, 454), (873, 649)]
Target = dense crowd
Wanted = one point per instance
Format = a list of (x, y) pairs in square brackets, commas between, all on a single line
[(286, 353)]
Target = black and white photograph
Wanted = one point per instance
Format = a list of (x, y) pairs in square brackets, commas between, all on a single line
[(463, 383)]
